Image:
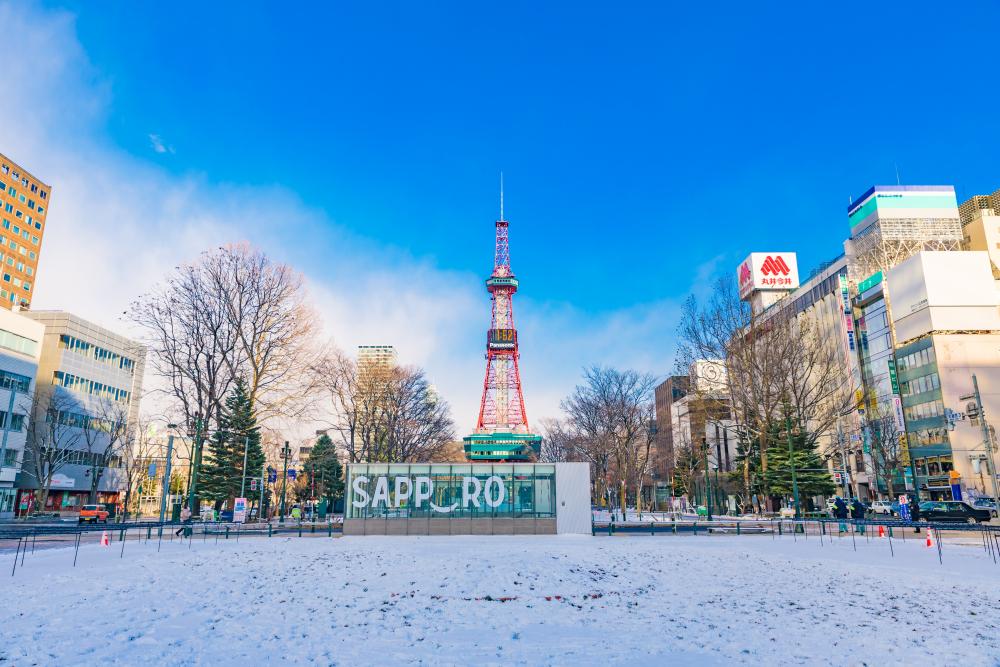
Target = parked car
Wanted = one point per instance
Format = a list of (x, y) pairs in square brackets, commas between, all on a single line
[(952, 510), (93, 514), (885, 507), (986, 504)]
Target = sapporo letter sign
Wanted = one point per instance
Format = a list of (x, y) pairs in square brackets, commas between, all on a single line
[(490, 492)]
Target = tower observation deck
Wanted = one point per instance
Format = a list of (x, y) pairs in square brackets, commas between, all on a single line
[(502, 432)]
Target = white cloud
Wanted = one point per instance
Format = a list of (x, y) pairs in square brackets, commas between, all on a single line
[(156, 141), (118, 223)]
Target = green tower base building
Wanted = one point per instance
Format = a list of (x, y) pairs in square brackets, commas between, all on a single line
[(499, 446)]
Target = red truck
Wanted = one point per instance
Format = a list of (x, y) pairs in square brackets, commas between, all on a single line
[(94, 513)]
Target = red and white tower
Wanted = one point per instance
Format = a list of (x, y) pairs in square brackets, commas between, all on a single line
[(502, 428)]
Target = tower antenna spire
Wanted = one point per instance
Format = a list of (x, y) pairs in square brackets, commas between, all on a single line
[(501, 195)]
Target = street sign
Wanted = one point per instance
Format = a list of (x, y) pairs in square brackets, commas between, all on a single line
[(240, 510), (904, 507), (291, 473), (272, 475), (253, 484), (152, 470)]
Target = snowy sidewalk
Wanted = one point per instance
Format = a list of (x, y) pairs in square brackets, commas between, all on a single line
[(505, 600)]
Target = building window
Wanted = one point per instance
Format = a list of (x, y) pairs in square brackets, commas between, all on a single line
[(12, 341), (20, 383)]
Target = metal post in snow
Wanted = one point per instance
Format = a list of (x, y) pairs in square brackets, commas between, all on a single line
[(166, 481), (243, 478), (18, 551)]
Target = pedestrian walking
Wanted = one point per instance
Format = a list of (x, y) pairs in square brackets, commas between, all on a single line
[(840, 511), (185, 521), (915, 512)]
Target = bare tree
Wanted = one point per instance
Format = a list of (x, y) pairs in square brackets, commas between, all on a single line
[(137, 452), (687, 466), (560, 443), (231, 312), (265, 303), (612, 414), (52, 439), (887, 448), (418, 420), (778, 365), (725, 328), (192, 341), (384, 413), (105, 436)]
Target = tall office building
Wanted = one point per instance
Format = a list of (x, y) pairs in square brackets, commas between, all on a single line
[(93, 374), (376, 357), (24, 202), (20, 345), (981, 227), (890, 223)]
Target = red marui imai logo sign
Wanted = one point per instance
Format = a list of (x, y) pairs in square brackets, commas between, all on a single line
[(768, 271)]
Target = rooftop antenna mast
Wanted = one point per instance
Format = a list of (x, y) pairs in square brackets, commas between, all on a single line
[(501, 195)]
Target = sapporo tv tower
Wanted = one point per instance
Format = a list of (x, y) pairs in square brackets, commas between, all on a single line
[(502, 429)]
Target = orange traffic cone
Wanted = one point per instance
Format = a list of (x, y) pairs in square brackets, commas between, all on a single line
[(106, 541), (881, 531), (930, 537)]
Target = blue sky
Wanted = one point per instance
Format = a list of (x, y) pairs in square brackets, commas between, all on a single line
[(644, 147)]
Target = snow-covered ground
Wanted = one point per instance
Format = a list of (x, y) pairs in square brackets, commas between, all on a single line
[(504, 600)]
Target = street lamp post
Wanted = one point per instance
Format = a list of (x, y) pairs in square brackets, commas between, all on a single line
[(708, 480), (243, 478), (284, 478), (166, 477), (195, 465), (791, 462)]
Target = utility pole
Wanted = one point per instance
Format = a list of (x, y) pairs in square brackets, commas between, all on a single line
[(843, 459), (708, 479), (260, 507), (243, 477), (195, 465), (166, 477), (791, 462), (284, 479), (987, 440)]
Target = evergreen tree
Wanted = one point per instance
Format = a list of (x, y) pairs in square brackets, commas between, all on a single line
[(811, 473), (324, 471), (223, 472)]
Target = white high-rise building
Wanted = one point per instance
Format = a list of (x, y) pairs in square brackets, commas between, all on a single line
[(20, 346)]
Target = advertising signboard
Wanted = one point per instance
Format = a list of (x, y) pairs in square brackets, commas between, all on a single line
[(768, 271), (240, 510)]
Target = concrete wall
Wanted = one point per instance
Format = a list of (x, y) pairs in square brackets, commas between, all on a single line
[(958, 357), (445, 526), (573, 513), (943, 291)]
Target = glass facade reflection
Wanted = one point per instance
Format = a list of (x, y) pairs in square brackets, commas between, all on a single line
[(450, 491)]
